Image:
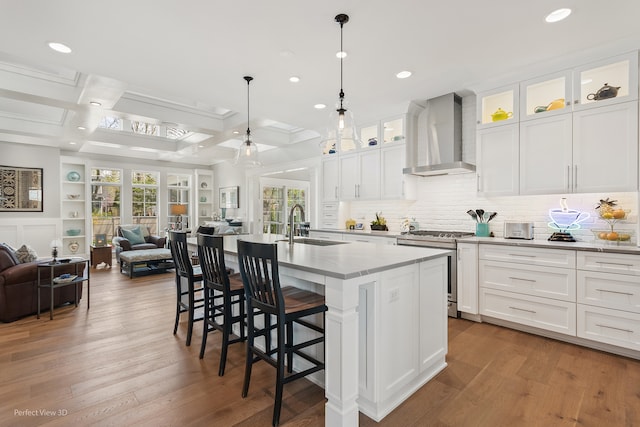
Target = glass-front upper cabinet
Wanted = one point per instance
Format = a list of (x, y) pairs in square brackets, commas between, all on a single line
[(497, 107), (546, 96), (609, 81), (370, 136), (393, 130)]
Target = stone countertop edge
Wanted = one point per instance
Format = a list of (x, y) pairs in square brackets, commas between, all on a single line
[(342, 261), (537, 243), (367, 232)]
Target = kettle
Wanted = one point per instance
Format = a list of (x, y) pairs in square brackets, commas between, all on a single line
[(500, 114), (605, 92)]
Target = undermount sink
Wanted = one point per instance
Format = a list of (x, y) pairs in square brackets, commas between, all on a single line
[(315, 242)]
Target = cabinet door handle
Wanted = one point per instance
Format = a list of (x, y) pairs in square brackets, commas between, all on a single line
[(615, 263), (336, 192), (478, 182), (613, 327), (522, 309), (614, 292), (575, 177), (568, 178), (524, 280), (355, 190), (575, 101), (523, 255)]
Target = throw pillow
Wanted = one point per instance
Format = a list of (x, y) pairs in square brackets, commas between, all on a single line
[(11, 251), (26, 254), (134, 236)]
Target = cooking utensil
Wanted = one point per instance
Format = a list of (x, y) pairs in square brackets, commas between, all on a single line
[(480, 213), (473, 214), (492, 215)]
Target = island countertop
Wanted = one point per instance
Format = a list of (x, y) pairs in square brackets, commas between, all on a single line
[(342, 260)]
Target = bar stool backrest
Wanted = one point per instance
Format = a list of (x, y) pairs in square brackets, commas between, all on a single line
[(211, 255), (259, 271), (180, 253)]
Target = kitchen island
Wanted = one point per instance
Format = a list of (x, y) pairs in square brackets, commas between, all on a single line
[(386, 327)]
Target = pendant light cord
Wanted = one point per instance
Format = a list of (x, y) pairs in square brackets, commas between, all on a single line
[(341, 58), (248, 79)]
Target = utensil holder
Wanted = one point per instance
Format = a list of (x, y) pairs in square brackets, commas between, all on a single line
[(482, 229)]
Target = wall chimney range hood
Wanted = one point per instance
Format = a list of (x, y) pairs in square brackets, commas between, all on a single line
[(437, 146)]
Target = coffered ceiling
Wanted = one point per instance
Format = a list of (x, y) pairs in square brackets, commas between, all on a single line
[(180, 65)]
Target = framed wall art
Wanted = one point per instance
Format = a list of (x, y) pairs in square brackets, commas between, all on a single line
[(20, 189)]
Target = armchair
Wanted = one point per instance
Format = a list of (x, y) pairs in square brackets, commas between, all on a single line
[(132, 237)]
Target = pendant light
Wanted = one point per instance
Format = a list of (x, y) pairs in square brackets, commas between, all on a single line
[(248, 151), (341, 131)]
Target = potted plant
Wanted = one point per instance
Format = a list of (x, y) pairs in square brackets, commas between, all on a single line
[(379, 224)]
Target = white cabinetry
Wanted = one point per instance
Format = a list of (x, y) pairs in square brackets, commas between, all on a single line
[(467, 254), (497, 160), (368, 238), (73, 208), (605, 152), (533, 287), (330, 179), (204, 196), (546, 159), (608, 298), (578, 132), (392, 160), (360, 175)]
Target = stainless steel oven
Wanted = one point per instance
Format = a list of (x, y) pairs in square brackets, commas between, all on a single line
[(440, 240)]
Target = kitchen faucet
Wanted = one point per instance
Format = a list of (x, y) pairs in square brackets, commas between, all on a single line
[(293, 208)]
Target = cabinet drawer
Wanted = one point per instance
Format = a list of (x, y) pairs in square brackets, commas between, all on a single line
[(543, 313), (616, 291), (548, 282), (329, 224), (532, 256), (329, 216), (607, 262), (615, 327), (330, 206)]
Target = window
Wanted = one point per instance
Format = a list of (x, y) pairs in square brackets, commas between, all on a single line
[(178, 187), (278, 197), (144, 199), (106, 186)]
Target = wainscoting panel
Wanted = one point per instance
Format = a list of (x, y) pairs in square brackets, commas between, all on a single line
[(35, 232)]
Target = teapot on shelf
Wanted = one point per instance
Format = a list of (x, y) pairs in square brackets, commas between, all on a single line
[(500, 114), (605, 92), (556, 104)]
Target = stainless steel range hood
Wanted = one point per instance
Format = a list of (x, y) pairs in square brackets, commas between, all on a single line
[(437, 146)]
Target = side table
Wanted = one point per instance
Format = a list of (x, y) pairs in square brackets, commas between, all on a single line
[(100, 254), (52, 284)]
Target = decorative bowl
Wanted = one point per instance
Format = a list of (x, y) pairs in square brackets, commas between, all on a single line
[(73, 176), (73, 196), (73, 231), (620, 236)]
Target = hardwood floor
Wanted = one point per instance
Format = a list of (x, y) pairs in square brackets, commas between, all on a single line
[(118, 364)]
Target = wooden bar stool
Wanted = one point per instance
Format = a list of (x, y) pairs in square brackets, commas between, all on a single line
[(223, 294), (287, 306), (187, 301)]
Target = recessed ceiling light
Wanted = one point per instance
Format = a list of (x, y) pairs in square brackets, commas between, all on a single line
[(235, 132), (81, 128), (403, 74), (72, 143), (294, 79), (319, 106), (95, 103), (341, 54), (558, 15), (60, 47), (200, 146)]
